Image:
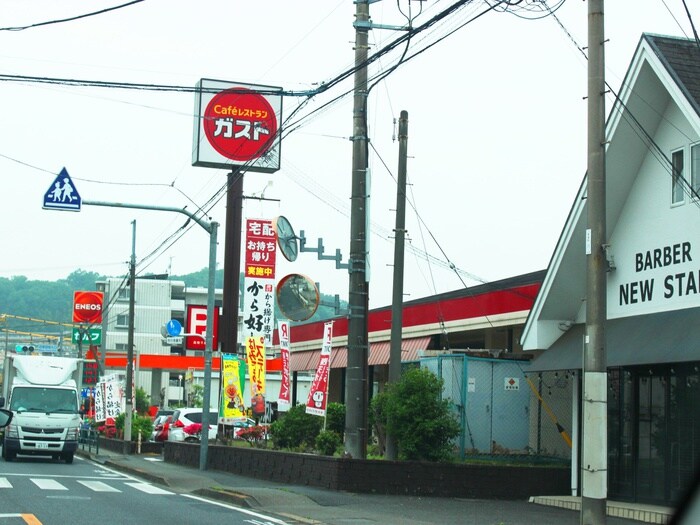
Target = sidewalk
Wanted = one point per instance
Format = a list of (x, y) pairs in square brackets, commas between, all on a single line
[(309, 505)]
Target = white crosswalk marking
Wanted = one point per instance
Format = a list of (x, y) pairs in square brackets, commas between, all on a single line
[(148, 489), (48, 484), (5, 484), (98, 486)]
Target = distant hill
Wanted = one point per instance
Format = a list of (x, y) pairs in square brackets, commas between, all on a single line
[(53, 300)]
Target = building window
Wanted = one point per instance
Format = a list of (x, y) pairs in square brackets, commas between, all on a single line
[(123, 294), (122, 321), (677, 177), (121, 347), (695, 169)]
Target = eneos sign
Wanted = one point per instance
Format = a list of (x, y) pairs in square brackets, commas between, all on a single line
[(87, 307), (237, 125)]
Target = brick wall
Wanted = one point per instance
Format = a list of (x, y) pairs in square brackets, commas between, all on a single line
[(415, 478)]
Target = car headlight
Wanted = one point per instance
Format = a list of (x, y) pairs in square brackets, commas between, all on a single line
[(72, 434), (12, 431)]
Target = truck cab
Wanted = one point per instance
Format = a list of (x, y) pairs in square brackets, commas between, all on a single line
[(42, 394)]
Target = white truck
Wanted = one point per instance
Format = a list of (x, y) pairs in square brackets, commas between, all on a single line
[(42, 392)]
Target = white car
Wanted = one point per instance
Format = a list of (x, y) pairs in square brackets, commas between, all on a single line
[(184, 418)]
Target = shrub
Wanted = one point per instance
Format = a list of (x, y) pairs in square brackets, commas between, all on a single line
[(253, 435), (295, 428), (328, 442), (377, 419), (144, 424), (335, 418), (417, 416)]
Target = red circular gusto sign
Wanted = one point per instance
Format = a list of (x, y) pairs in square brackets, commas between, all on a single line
[(240, 124), (87, 307)]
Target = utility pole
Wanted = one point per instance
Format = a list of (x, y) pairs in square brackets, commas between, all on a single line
[(356, 391), (397, 299), (130, 341), (228, 330), (594, 464)]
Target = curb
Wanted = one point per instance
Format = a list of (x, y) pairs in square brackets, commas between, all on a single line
[(229, 496)]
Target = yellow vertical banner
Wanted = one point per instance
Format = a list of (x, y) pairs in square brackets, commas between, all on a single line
[(232, 388), (255, 353)]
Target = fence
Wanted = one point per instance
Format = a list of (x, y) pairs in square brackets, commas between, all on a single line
[(89, 439), (505, 412)]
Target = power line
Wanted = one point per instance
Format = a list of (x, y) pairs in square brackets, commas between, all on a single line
[(70, 19)]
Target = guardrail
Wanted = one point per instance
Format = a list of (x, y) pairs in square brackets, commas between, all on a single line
[(89, 439)]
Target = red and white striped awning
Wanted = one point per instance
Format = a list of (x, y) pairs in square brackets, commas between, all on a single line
[(378, 354)]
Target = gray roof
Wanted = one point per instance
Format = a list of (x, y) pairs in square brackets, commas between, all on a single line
[(681, 57)]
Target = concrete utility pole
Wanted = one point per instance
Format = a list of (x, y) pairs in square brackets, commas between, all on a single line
[(130, 341), (356, 392), (397, 298), (594, 463)]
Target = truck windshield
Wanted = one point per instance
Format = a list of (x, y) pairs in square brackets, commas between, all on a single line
[(26, 399)]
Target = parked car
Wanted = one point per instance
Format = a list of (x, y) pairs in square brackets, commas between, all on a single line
[(183, 418), (163, 412), (161, 424), (238, 426)]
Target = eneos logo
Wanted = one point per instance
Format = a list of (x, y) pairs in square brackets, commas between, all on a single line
[(87, 307), (240, 124)]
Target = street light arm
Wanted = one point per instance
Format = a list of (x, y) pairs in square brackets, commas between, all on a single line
[(204, 224)]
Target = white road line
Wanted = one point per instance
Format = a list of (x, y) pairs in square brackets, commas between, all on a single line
[(98, 486), (5, 484), (241, 510), (48, 484), (148, 489), (153, 459)]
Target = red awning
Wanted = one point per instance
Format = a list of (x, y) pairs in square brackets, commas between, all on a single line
[(299, 361), (410, 348), (378, 354)]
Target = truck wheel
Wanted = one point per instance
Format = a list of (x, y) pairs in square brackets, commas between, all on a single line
[(68, 458)]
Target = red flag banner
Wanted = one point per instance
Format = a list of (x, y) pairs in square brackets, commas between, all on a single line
[(318, 394), (284, 399)]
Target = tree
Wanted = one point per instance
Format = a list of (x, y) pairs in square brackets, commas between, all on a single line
[(414, 413), (142, 401)]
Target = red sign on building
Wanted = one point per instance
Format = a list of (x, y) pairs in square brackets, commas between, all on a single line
[(197, 324), (87, 307)]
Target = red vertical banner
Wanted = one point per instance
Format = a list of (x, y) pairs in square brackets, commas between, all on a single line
[(318, 394), (284, 401)]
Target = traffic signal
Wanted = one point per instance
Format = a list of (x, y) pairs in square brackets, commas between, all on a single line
[(24, 349)]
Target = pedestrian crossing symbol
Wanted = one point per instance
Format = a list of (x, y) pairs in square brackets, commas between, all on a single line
[(62, 194)]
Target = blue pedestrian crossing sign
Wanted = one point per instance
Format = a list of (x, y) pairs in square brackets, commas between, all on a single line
[(62, 194)]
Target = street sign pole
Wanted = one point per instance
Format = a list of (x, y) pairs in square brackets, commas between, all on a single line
[(212, 229)]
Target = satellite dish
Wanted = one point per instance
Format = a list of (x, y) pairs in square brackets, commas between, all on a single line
[(286, 239), (297, 297)]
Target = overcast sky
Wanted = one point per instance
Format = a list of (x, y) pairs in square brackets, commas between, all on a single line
[(497, 131)]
